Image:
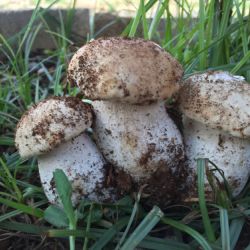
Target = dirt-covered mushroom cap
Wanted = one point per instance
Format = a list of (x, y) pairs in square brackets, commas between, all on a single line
[(219, 100), (52, 121), (125, 70)]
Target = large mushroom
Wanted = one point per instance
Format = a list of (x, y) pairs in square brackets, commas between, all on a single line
[(53, 130), (129, 79), (216, 124)]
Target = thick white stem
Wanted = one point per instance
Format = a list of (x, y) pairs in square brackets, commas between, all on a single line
[(137, 139), (229, 153), (84, 166), (144, 142)]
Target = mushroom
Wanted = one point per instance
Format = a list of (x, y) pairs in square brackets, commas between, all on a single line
[(216, 115), (53, 130), (129, 79)]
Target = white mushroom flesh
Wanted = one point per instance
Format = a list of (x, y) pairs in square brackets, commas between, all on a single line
[(84, 166), (137, 139), (229, 153)]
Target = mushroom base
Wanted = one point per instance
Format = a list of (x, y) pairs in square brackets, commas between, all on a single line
[(145, 147), (164, 187), (229, 153), (83, 165)]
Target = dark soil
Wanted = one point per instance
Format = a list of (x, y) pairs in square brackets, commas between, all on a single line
[(244, 239)]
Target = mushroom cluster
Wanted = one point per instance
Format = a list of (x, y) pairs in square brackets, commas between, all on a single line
[(137, 144)]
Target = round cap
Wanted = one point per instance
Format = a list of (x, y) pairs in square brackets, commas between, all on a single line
[(125, 70), (219, 100), (51, 122)]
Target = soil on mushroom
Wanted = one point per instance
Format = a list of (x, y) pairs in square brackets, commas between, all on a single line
[(163, 188)]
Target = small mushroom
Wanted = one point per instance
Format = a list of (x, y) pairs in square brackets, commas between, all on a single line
[(216, 115), (53, 130), (131, 78)]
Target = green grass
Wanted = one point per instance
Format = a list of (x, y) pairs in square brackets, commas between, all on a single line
[(218, 39)]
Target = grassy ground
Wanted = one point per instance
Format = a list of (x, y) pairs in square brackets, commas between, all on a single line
[(218, 39)]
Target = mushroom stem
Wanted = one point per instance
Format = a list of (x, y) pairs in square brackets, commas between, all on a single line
[(138, 139), (231, 154), (84, 166), (145, 143)]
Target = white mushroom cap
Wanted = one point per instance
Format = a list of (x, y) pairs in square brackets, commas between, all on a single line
[(50, 123), (125, 70), (219, 100), (229, 153), (84, 166)]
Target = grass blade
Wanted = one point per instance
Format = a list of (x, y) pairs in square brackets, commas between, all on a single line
[(29, 26), (235, 230), (6, 141), (109, 234), (85, 245), (243, 32), (155, 22), (144, 20), (24, 208), (16, 212), (56, 216), (152, 218), (202, 33), (241, 63), (136, 21), (201, 164), (12, 181), (162, 244), (64, 190), (197, 236), (222, 30), (224, 225), (95, 233), (70, 18), (22, 227), (248, 247), (62, 233), (148, 6), (133, 214), (57, 86)]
